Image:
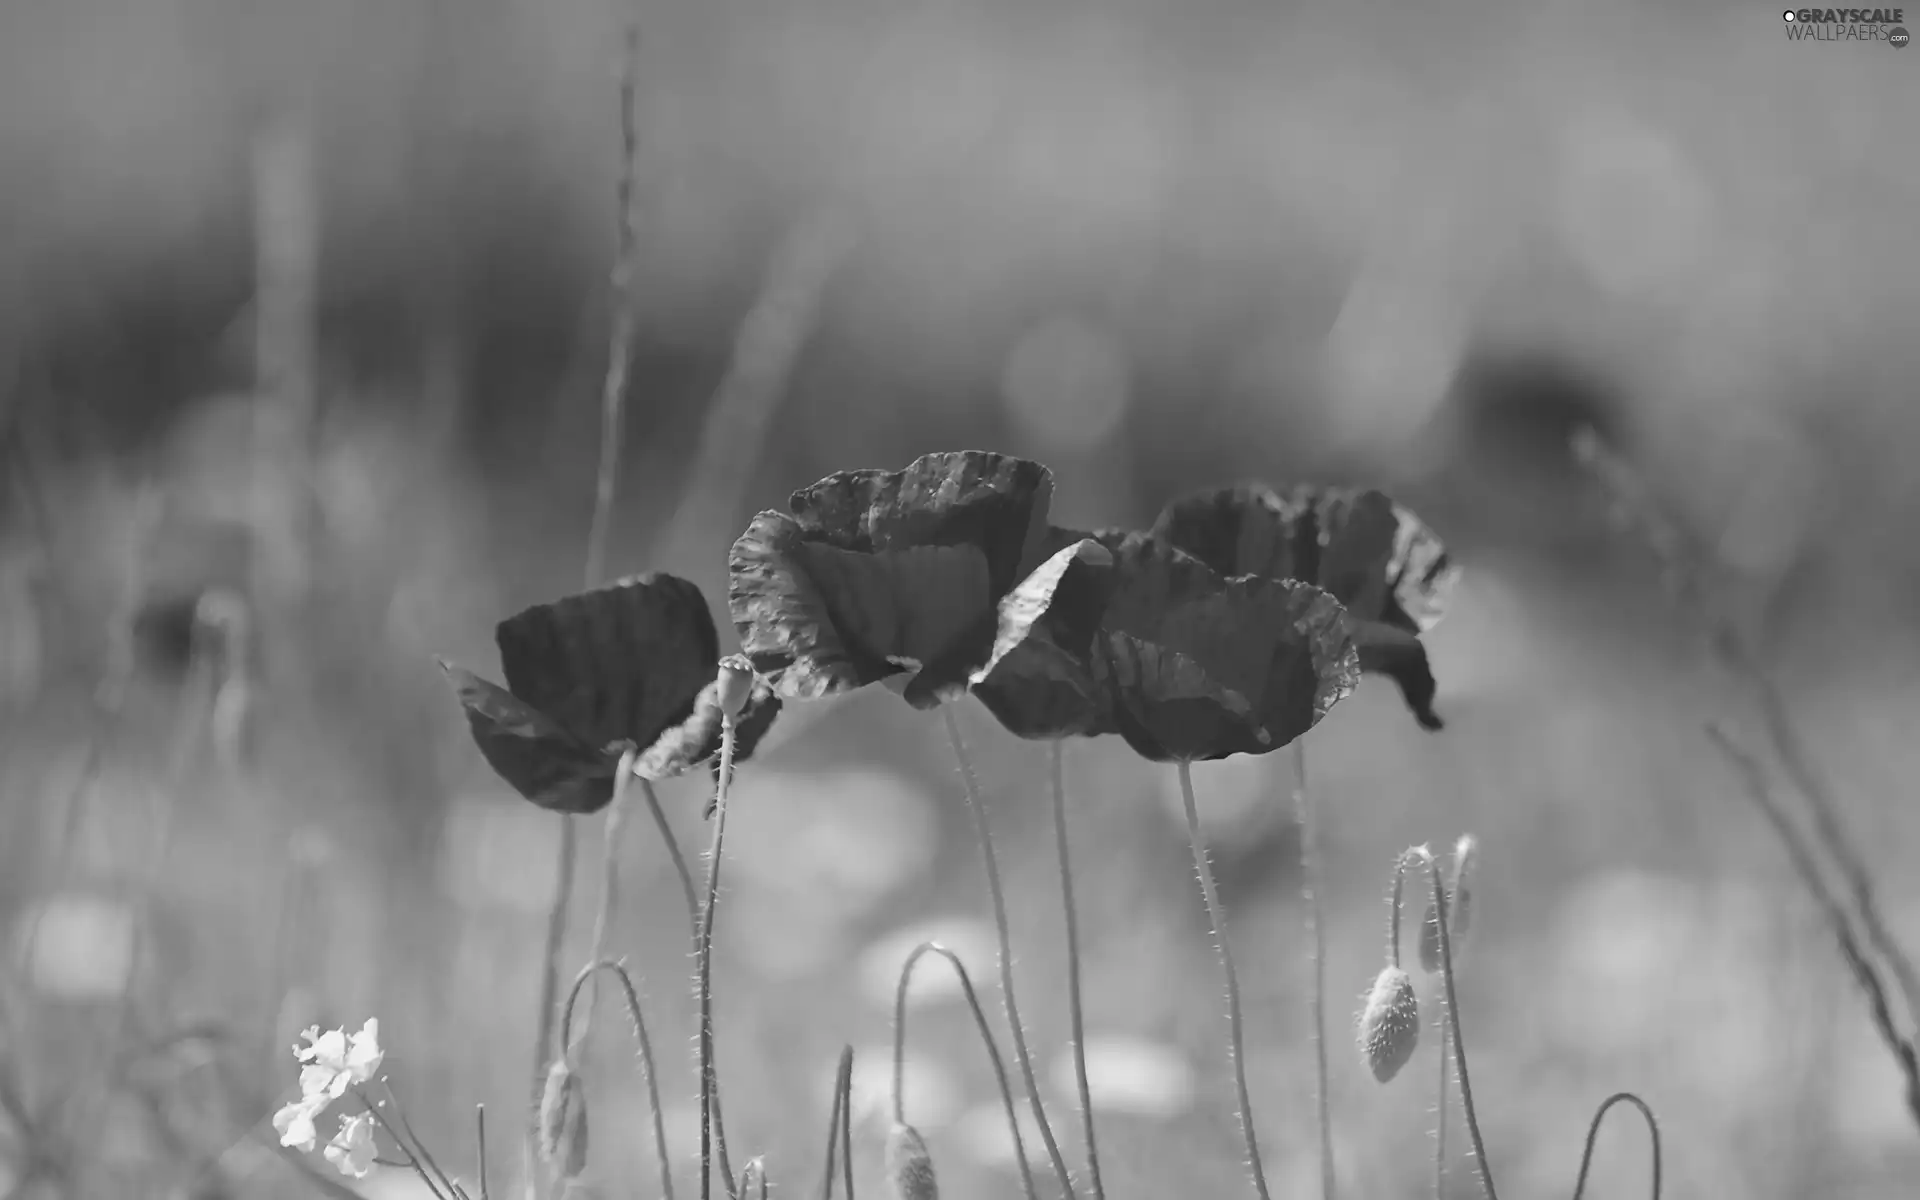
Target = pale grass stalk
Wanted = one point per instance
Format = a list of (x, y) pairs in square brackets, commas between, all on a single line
[(612, 435)]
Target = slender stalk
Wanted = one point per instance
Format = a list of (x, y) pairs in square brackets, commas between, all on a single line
[(1441, 922), (644, 1046), (613, 395), (480, 1139), (1216, 914), (709, 1083), (1076, 1013), (842, 1086), (609, 885), (693, 924), (846, 1121), (412, 1160), (1020, 1051), (1800, 853), (1440, 1111), (1593, 1132), (986, 1040), (1303, 810), (417, 1147)]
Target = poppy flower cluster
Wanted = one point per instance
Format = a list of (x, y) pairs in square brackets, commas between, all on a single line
[(1232, 625)]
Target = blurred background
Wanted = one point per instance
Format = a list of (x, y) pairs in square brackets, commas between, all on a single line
[(303, 319)]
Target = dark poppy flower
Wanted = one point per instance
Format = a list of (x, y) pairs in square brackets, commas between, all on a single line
[(876, 575), (1381, 561), (630, 665), (1124, 633)]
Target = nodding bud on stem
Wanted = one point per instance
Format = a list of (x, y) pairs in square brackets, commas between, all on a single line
[(1459, 907), (563, 1120), (1389, 1023), (736, 685), (909, 1166)]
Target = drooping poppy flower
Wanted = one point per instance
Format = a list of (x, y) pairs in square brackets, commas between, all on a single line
[(1390, 571), (1124, 633), (632, 664), (881, 575)]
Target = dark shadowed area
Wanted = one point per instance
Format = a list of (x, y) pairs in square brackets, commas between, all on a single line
[(304, 313)]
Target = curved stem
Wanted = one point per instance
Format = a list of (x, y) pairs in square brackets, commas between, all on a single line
[(645, 1047), (1075, 1010), (1236, 1050), (609, 884), (1020, 1052), (986, 1039), (1317, 938), (709, 1083), (1593, 1132), (1422, 856)]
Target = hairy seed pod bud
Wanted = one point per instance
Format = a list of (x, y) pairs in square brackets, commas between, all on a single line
[(563, 1120), (1389, 1028), (909, 1166), (736, 685)]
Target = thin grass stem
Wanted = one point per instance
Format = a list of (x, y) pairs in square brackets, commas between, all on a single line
[(1216, 914), (1020, 1051)]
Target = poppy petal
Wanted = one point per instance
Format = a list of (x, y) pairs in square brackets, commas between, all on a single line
[(1040, 680), (1274, 656), (1401, 657), (532, 752), (995, 503), (614, 664)]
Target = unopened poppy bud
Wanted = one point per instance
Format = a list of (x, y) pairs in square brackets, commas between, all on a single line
[(736, 686), (909, 1166), (1389, 1023), (563, 1120)]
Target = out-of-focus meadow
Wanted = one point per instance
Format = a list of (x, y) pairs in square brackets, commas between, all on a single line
[(1155, 245)]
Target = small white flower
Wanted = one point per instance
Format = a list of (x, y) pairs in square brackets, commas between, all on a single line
[(294, 1123), (351, 1151), (335, 1061)]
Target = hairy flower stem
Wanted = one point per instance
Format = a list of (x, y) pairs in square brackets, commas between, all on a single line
[(1440, 1112), (644, 1046), (613, 394), (1236, 1049), (1593, 1132), (986, 1039), (1075, 1011), (1020, 1052), (709, 1081), (480, 1143), (1420, 856), (1317, 937)]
